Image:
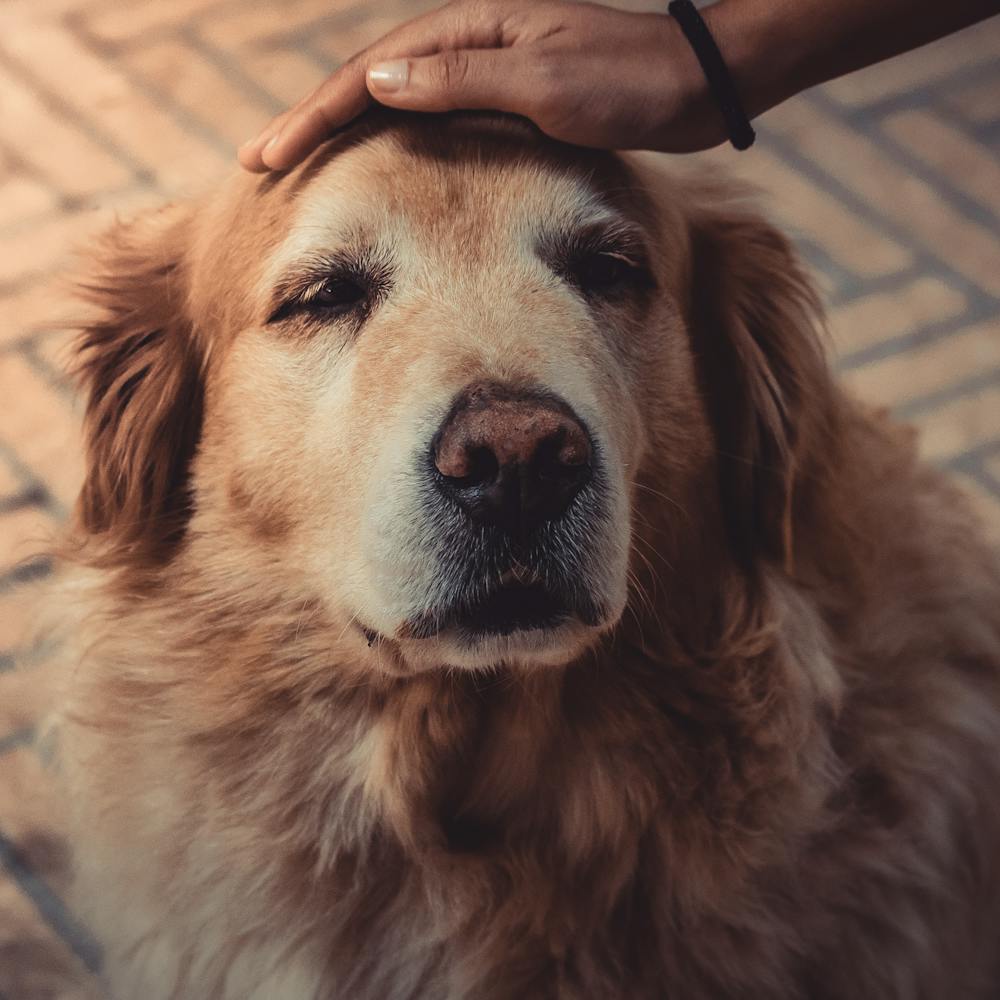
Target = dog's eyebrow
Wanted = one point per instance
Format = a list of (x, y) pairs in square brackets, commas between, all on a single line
[(606, 233)]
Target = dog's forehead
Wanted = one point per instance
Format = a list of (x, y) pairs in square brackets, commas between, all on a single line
[(471, 181)]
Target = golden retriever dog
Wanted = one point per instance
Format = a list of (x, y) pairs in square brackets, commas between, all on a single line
[(482, 590)]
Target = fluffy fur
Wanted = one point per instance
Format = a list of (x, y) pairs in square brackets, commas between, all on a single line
[(773, 775)]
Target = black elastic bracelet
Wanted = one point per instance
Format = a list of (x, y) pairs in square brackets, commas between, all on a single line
[(720, 82)]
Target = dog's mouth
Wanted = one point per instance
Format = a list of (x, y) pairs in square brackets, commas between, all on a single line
[(511, 607)]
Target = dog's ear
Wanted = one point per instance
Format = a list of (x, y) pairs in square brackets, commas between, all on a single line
[(139, 366), (755, 320)]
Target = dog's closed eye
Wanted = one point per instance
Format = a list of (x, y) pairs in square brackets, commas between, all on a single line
[(603, 272), (333, 289), (601, 262)]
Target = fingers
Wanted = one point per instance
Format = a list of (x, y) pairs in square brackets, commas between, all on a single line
[(249, 153), (456, 78), (293, 135), (344, 95)]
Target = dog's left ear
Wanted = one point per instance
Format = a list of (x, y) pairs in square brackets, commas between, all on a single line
[(755, 319), (140, 368)]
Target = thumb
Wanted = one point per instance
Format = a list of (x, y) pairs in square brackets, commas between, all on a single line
[(448, 81)]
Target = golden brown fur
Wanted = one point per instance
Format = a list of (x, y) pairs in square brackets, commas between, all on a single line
[(772, 776)]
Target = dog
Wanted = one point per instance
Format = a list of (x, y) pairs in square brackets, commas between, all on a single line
[(480, 588)]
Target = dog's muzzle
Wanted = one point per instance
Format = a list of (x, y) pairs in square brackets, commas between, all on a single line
[(515, 494)]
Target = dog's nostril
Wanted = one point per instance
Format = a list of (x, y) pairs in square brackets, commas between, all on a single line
[(563, 456), (482, 466), (513, 460)]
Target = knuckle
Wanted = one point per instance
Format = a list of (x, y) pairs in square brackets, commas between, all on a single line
[(548, 85), (317, 111), (451, 69)]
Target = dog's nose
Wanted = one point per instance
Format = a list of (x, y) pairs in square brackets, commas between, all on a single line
[(510, 458)]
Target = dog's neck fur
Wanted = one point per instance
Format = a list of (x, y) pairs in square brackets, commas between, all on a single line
[(669, 761)]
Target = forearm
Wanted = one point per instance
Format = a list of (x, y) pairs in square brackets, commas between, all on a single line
[(777, 48)]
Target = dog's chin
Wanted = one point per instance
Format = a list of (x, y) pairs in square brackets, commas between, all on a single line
[(517, 624), (552, 645)]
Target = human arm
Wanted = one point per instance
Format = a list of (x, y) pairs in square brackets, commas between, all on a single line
[(596, 76)]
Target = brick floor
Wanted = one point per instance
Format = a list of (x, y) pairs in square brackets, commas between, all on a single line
[(890, 180)]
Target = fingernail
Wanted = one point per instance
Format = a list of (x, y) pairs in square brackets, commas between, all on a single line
[(389, 76)]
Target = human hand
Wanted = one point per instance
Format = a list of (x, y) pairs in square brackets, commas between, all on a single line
[(584, 74)]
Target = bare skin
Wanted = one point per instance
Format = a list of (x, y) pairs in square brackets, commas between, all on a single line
[(599, 77)]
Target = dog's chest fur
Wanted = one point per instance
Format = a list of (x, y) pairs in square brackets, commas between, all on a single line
[(633, 820)]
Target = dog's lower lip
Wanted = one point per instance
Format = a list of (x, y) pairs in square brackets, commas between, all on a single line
[(512, 608)]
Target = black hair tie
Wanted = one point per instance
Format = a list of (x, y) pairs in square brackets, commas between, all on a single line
[(720, 82)]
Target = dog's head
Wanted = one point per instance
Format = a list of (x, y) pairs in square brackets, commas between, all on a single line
[(457, 385)]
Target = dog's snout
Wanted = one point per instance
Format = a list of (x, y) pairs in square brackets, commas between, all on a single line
[(512, 459)]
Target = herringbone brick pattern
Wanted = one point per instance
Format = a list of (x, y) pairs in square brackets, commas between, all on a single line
[(890, 180)]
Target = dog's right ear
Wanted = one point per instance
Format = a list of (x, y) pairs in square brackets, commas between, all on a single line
[(755, 326), (141, 372)]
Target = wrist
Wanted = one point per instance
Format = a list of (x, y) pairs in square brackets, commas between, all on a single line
[(702, 113), (687, 116), (751, 38)]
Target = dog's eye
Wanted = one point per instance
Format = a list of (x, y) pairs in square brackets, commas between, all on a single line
[(602, 272), (338, 294)]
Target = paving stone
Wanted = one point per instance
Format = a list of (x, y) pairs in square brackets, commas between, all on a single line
[(903, 200), (931, 369), (190, 81), (962, 163), (975, 46), (960, 425), (41, 425), (34, 963), (870, 319), (58, 148)]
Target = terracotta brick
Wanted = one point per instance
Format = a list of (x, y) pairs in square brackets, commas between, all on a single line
[(32, 307), (105, 96), (39, 250), (36, 964), (975, 45), (24, 197), (286, 74), (183, 75), (906, 201), (967, 165), (878, 317), (57, 148), (55, 350), (16, 12), (266, 24), (40, 424), (339, 42), (805, 209), (117, 22), (932, 368), (977, 103), (961, 425)]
